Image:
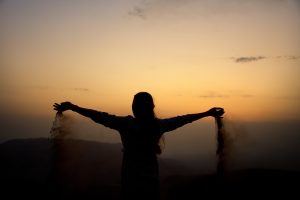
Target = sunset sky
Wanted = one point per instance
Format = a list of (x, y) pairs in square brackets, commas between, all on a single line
[(243, 55)]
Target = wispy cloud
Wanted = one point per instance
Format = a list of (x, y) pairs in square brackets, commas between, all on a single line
[(138, 12), (145, 8), (225, 94), (287, 97), (80, 89), (240, 94), (39, 87), (245, 59), (248, 59), (292, 57), (288, 57), (245, 95), (212, 95), (45, 87)]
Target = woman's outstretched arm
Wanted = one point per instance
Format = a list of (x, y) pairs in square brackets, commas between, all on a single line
[(213, 112), (69, 106), (108, 120), (176, 122)]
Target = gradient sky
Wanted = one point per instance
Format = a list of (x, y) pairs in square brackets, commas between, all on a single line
[(189, 54)]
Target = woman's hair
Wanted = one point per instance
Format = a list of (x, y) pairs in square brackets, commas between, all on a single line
[(143, 106), (143, 111)]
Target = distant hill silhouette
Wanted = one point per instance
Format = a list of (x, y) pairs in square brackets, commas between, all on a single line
[(67, 167), (77, 169)]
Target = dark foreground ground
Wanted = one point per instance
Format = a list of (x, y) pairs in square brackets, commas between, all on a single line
[(74, 169)]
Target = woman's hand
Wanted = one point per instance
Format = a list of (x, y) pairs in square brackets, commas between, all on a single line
[(63, 106), (215, 112)]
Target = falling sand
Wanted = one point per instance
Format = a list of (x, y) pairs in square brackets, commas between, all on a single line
[(221, 146), (59, 129), (59, 132)]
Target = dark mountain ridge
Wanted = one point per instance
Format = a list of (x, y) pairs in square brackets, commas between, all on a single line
[(77, 169)]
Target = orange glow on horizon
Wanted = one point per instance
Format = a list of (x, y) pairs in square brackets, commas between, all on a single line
[(188, 61)]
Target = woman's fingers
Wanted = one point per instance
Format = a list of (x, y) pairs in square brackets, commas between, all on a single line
[(56, 106)]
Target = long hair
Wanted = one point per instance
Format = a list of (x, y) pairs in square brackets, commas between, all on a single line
[(143, 107), (143, 111)]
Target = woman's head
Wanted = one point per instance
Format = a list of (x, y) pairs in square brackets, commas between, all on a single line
[(143, 106)]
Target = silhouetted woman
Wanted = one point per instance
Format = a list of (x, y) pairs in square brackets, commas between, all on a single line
[(140, 136)]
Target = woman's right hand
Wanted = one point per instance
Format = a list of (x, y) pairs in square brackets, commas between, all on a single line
[(216, 112), (62, 106)]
